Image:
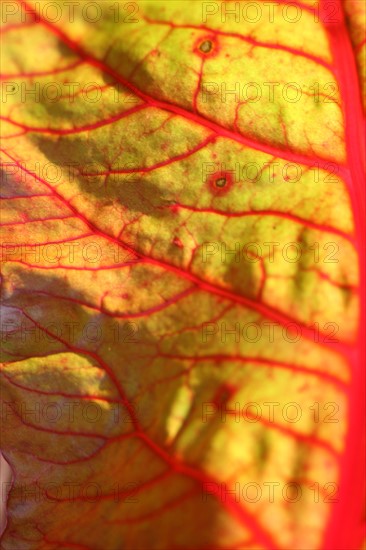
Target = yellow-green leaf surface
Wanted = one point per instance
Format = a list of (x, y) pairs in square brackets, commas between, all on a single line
[(182, 234)]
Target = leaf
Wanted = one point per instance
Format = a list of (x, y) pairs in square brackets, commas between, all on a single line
[(183, 241)]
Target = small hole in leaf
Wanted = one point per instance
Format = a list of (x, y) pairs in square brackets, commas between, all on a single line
[(206, 46), (220, 182)]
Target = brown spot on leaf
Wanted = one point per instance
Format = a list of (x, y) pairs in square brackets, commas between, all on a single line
[(206, 46), (221, 182)]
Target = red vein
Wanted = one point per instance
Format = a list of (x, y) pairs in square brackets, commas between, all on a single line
[(263, 362), (254, 42), (85, 128), (264, 147), (44, 73), (276, 213), (263, 309), (170, 160)]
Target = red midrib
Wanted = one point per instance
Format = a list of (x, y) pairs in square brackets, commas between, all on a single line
[(343, 529)]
